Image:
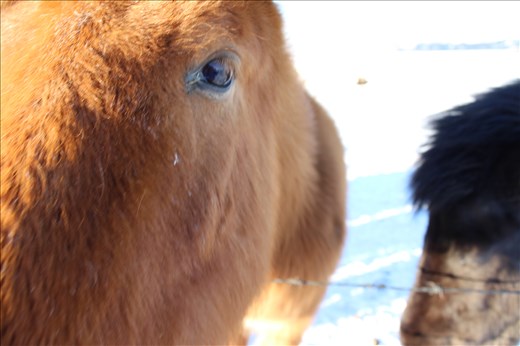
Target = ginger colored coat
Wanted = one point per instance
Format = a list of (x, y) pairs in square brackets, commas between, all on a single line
[(160, 165)]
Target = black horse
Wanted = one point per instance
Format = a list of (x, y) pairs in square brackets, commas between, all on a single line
[(469, 179)]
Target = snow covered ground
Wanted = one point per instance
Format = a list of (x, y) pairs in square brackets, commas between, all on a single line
[(383, 247), (382, 124)]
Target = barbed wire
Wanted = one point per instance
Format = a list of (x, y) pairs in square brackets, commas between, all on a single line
[(432, 288)]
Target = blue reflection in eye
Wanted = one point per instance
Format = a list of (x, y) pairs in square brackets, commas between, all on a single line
[(217, 73)]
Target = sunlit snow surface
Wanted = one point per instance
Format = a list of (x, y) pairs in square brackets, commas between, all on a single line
[(383, 247)]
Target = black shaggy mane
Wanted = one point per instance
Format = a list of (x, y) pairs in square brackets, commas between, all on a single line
[(469, 177)]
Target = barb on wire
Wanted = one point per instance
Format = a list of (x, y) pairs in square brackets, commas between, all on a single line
[(432, 288)]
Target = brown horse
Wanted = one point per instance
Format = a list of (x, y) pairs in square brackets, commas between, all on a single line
[(161, 164), (470, 180)]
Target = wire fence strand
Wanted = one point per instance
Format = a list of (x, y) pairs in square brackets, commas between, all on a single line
[(432, 288)]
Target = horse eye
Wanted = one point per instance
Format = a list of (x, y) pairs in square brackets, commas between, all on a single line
[(217, 73), (215, 77)]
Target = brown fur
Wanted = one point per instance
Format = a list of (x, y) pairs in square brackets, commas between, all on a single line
[(134, 212), (463, 318)]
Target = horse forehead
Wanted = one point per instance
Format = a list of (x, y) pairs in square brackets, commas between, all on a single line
[(158, 15), (185, 17), (194, 26), (183, 26)]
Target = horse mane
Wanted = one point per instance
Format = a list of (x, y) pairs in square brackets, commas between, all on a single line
[(469, 177)]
